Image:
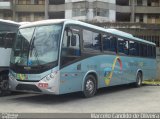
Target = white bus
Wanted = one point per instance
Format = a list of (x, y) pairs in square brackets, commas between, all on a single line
[(8, 30)]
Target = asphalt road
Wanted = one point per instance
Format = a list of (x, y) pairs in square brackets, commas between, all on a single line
[(123, 99)]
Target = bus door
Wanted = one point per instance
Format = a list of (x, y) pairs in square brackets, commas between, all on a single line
[(70, 77)]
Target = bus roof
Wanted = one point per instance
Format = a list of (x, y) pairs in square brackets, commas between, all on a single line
[(43, 22), (22, 23), (69, 21), (8, 21), (120, 33)]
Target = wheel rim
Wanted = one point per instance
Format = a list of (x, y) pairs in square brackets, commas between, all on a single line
[(89, 86), (5, 85)]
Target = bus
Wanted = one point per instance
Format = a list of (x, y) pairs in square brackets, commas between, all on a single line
[(63, 56), (8, 31)]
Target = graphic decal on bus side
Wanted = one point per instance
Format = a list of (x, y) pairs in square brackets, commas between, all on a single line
[(108, 72)]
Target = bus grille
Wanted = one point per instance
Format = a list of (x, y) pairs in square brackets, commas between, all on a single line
[(27, 87), (28, 80)]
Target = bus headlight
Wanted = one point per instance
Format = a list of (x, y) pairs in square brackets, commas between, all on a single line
[(50, 76)]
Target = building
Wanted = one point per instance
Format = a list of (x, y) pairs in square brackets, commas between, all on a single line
[(91, 10), (143, 11), (5, 10)]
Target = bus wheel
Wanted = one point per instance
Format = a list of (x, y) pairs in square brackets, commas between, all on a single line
[(4, 84), (139, 80), (90, 87)]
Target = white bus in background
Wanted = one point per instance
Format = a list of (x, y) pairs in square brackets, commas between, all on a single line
[(8, 30)]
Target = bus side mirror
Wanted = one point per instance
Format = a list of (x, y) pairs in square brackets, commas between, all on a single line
[(73, 40)]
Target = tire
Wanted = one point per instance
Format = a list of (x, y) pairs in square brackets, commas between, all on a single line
[(4, 85), (90, 86), (139, 80)]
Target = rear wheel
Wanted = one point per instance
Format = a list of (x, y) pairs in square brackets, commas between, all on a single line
[(139, 80), (90, 86)]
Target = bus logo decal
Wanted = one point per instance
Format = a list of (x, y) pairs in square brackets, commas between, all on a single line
[(21, 76), (108, 72)]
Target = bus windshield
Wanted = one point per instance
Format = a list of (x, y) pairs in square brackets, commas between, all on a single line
[(36, 45)]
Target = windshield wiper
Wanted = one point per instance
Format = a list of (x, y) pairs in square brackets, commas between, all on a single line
[(32, 47)]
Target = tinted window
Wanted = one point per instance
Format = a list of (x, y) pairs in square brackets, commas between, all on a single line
[(123, 46), (70, 46), (109, 43), (150, 51), (140, 49), (91, 41), (133, 48), (1, 40), (144, 50), (153, 52), (9, 40)]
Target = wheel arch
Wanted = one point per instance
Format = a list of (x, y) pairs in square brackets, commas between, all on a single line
[(91, 72), (140, 71)]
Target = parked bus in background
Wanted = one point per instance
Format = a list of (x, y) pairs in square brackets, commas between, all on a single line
[(8, 31), (64, 56)]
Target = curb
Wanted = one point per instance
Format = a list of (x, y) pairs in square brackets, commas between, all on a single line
[(152, 82)]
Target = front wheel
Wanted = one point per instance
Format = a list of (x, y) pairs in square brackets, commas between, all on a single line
[(139, 80), (90, 86), (4, 85)]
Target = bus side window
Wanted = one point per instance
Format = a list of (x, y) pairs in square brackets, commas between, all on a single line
[(153, 52), (9, 40), (140, 49), (149, 51), (123, 46), (133, 48), (109, 43), (70, 47), (1, 40), (143, 50), (91, 41)]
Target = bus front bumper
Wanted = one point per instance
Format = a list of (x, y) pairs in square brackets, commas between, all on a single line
[(33, 87)]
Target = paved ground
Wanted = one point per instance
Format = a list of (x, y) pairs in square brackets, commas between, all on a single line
[(114, 99)]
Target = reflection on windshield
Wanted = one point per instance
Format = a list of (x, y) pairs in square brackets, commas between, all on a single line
[(37, 45), (45, 45), (20, 50)]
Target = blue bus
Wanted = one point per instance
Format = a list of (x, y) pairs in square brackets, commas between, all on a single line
[(63, 56)]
